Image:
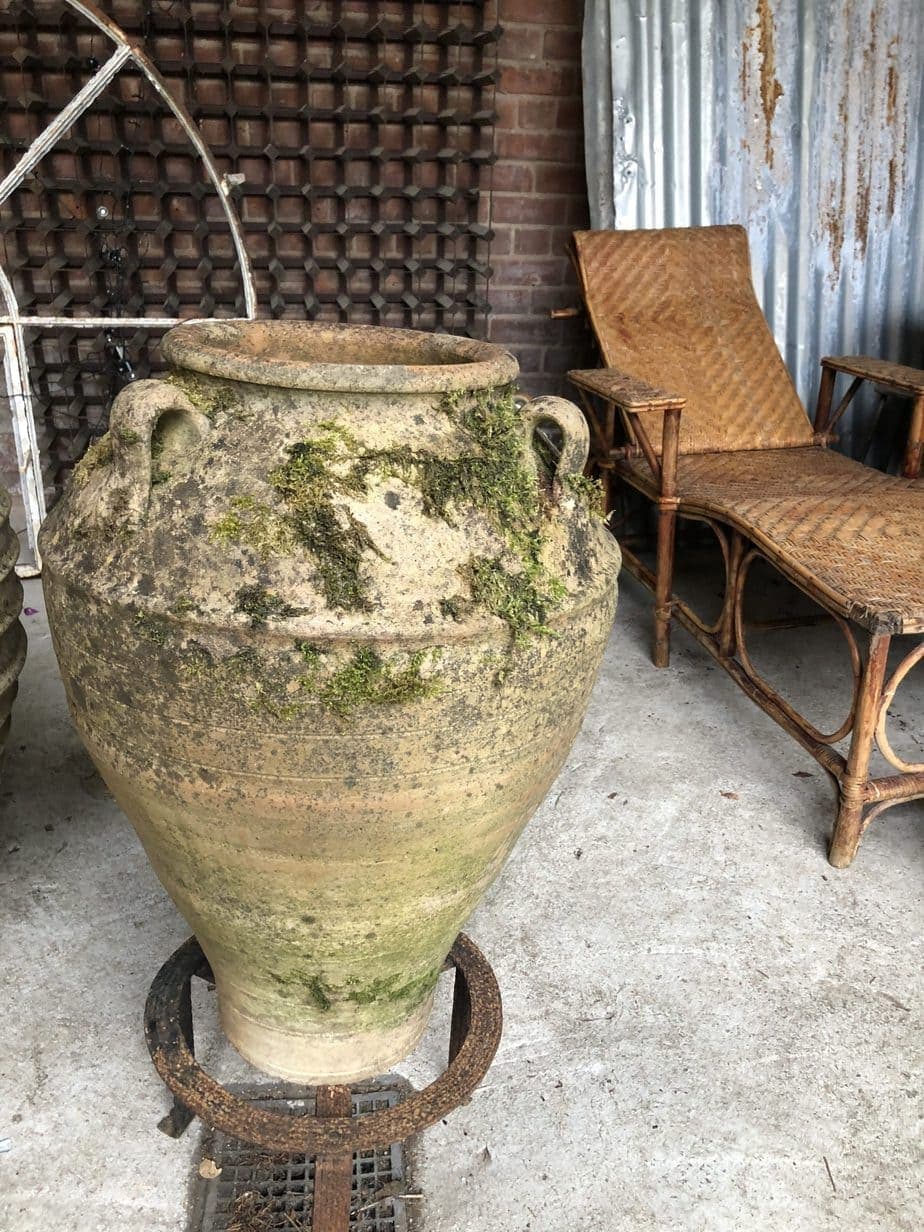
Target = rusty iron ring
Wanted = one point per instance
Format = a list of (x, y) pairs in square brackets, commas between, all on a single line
[(282, 1133)]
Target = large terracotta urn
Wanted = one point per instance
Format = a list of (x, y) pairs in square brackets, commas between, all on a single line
[(328, 614)]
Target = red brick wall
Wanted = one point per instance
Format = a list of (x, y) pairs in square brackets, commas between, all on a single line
[(539, 191)]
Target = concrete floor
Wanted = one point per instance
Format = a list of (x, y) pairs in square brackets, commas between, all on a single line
[(699, 1011)]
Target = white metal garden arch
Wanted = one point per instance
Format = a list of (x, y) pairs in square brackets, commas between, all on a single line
[(13, 324)]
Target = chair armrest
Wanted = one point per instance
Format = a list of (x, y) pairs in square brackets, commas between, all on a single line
[(898, 377), (636, 397), (627, 392), (894, 378)]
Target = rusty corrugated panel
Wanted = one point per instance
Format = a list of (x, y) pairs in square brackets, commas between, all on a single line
[(799, 118)]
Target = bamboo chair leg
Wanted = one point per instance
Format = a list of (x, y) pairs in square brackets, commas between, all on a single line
[(848, 828), (727, 639), (667, 527), (914, 450)]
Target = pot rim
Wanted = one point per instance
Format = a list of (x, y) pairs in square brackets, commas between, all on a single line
[(255, 352)]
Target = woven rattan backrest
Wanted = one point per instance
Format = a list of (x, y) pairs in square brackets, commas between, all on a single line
[(677, 308)]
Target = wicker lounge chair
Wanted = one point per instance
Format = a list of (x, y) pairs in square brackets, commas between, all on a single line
[(696, 411)]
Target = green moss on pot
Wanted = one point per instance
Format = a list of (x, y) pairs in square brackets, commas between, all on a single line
[(152, 628), (158, 473), (589, 492), (252, 523), (369, 680), (389, 989), (286, 690), (261, 605), (522, 599), (455, 607), (305, 986), (213, 398), (493, 476), (307, 484), (99, 453)]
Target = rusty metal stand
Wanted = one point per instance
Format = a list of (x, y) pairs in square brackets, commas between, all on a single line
[(331, 1135)]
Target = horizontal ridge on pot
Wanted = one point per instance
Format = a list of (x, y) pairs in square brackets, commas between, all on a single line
[(328, 631)]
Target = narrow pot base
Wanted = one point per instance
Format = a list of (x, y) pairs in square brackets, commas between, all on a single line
[(317, 1059)]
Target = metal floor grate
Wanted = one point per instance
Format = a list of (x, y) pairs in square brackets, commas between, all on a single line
[(256, 1192)]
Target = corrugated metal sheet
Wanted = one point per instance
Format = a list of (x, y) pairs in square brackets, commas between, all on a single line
[(798, 118)]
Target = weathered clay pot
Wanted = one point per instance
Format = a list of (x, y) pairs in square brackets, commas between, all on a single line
[(12, 634), (328, 626)]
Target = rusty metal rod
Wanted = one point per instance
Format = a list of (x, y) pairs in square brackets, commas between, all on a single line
[(333, 1173)]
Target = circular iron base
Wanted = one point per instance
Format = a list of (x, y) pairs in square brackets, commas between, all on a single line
[(474, 1036)]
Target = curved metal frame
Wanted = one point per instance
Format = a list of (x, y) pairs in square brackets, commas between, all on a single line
[(473, 1043), (13, 324)]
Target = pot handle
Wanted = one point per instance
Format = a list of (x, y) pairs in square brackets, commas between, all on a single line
[(146, 415), (573, 427)]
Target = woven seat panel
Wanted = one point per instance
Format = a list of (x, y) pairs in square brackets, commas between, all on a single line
[(677, 309), (854, 531)]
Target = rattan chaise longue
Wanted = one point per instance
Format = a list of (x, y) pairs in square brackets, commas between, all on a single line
[(696, 411)]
